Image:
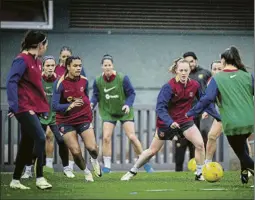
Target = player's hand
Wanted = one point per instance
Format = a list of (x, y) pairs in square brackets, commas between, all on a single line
[(186, 115), (175, 125), (204, 115), (126, 109), (10, 114), (91, 106), (77, 103)]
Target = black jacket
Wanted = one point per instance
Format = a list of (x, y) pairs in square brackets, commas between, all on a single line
[(201, 76)]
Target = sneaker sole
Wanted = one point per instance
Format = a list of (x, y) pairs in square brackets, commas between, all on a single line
[(44, 188), (69, 176), (17, 188), (27, 177)]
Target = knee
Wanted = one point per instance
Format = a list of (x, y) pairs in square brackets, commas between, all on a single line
[(212, 137), (75, 151), (152, 151), (132, 137), (106, 139), (49, 136), (200, 146)]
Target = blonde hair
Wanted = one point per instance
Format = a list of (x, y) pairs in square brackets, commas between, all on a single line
[(174, 66)]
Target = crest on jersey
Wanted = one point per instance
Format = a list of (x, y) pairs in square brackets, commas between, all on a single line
[(200, 76), (162, 134), (69, 99), (191, 94), (82, 89), (61, 130)]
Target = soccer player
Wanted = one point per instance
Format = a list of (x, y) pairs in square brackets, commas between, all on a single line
[(27, 102), (202, 76), (60, 69), (115, 95), (174, 100), (74, 115), (216, 128), (49, 77), (233, 89)]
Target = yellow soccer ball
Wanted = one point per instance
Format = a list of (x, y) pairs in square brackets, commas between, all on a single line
[(212, 172), (192, 165)]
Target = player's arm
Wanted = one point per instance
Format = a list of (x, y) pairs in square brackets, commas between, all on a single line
[(205, 100), (95, 96), (129, 92), (18, 68), (163, 99), (56, 105)]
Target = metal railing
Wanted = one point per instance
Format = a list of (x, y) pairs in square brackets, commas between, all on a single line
[(123, 155)]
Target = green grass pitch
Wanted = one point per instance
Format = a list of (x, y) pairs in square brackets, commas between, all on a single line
[(158, 185)]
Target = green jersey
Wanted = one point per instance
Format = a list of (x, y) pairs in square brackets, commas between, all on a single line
[(236, 102), (112, 98), (48, 89)]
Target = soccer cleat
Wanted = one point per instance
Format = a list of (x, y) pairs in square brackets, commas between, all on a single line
[(250, 172), (15, 184), (68, 173), (89, 177), (244, 176), (27, 174), (106, 170), (199, 177), (148, 168), (43, 184), (96, 167), (128, 176)]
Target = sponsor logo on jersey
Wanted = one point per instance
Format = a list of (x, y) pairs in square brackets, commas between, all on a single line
[(107, 96), (200, 76), (109, 89)]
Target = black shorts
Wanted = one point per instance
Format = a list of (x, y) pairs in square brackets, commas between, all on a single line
[(79, 128), (168, 134), (121, 121)]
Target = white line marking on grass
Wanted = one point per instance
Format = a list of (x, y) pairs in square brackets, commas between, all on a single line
[(214, 189), (160, 190), (133, 192)]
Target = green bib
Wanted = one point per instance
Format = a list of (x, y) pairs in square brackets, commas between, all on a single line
[(112, 98), (236, 105), (48, 89)]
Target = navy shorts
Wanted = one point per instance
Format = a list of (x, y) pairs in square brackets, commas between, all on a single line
[(79, 128), (169, 133), (121, 121)]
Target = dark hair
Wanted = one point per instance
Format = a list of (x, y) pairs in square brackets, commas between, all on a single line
[(232, 57), (190, 53), (69, 61), (47, 58), (65, 48), (32, 39), (216, 61), (107, 57), (174, 66)]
